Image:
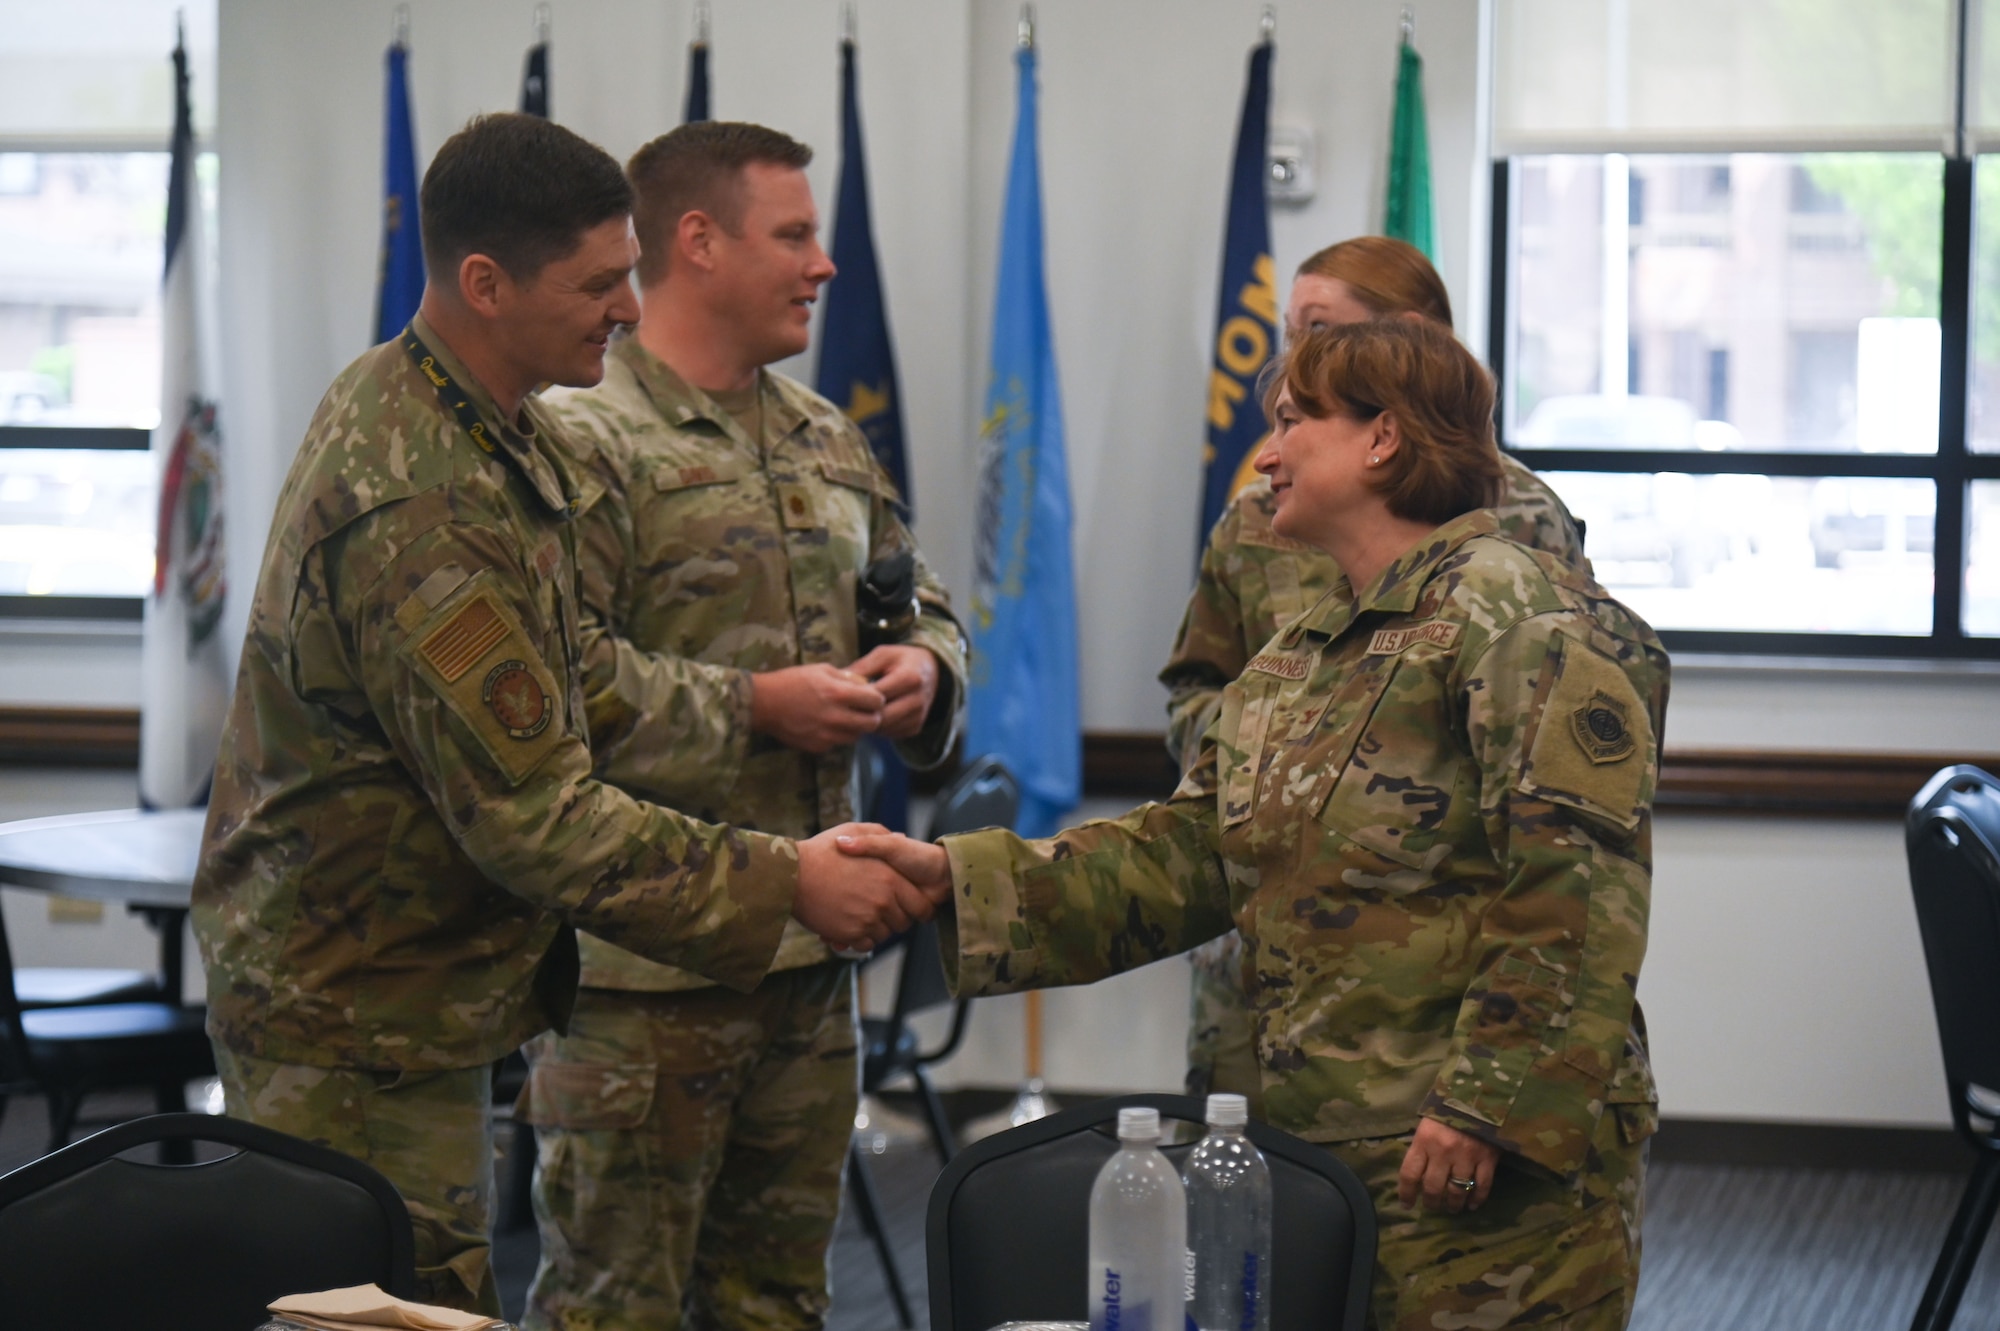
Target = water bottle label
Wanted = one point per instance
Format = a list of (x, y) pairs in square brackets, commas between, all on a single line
[(1250, 1283), (1187, 1286), (1113, 1311)]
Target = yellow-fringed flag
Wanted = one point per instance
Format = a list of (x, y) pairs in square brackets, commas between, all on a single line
[(1246, 320)]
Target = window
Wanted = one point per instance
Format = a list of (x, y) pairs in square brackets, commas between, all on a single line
[(1733, 305), (86, 111)]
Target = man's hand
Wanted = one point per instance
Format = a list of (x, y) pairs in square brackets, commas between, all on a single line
[(854, 902), (908, 680), (1439, 1154), (924, 865), (814, 708)]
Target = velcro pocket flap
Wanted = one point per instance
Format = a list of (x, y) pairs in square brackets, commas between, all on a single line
[(587, 1097)]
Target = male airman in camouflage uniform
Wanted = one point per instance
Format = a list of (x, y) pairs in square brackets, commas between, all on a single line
[(1252, 582), (1441, 787), (692, 1140), (404, 827)]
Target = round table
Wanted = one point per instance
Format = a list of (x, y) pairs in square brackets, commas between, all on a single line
[(144, 858)]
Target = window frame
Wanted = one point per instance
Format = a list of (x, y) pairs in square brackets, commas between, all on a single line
[(1952, 468)]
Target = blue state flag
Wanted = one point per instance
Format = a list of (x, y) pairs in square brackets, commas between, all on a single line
[(1023, 701), (696, 106), (857, 365), (399, 286), (1246, 320)]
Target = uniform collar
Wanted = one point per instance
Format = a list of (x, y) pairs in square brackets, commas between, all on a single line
[(681, 403), (1398, 587), (528, 451)]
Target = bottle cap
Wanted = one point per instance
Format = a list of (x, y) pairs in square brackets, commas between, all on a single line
[(1228, 1111), (1138, 1125)]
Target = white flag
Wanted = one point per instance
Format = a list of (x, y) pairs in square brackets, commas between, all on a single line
[(185, 673)]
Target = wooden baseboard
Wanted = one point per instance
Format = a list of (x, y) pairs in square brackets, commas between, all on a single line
[(1134, 765), (1878, 785), (69, 736)]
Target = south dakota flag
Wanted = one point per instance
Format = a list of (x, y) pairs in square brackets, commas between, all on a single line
[(1023, 701)]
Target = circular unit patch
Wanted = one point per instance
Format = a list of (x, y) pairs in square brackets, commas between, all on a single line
[(516, 699), (1601, 729)]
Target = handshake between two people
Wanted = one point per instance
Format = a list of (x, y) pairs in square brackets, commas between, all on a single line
[(860, 883)]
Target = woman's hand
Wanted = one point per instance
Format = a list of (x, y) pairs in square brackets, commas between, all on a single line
[(926, 866), (1438, 1156)]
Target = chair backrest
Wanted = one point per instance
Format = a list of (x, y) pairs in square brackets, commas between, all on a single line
[(1953, 838), (983, 794), (92, 1239), (1007, 1235)]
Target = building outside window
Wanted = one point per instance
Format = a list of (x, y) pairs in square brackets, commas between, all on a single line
[(1734, 263)]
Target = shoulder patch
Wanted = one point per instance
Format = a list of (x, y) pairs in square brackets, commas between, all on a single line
[(1594, 746), (474, 653), (1389, 642), (1284, 665)]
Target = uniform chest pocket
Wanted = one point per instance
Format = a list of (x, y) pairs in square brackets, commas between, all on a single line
[(1407, 790), (1240, 732), (694, 508)]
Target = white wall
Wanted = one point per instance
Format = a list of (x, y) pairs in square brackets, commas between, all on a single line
[(1784, 978)]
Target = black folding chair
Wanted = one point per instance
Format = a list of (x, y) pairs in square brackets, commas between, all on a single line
[(1953, 838), (91, 1238), (66, 1052), (983, 794), (1007, 1235)]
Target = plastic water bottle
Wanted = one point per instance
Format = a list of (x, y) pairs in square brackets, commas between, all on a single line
[(1229, 1224), (1138, 1234)]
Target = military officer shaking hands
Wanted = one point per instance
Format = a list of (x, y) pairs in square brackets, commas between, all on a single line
[(404, 828)]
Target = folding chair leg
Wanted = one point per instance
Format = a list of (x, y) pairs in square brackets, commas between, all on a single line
[(941, 1133), (64, 1106), (1962, 1243), (170, 1097), (870, 1208), (517, 1207)]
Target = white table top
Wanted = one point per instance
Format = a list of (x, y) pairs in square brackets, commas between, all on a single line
[(143, 857)]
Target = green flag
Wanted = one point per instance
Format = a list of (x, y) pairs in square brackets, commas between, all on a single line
[(1408, 215)]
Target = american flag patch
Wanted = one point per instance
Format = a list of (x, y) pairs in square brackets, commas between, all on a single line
[(468, 635)]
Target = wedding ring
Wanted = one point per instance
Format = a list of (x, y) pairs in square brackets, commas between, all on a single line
[(1463, 1184)]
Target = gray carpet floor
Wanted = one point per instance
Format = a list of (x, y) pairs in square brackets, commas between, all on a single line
[(1726, 1248)]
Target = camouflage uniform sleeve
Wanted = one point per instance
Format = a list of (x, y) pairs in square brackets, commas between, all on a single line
[(937, 629), (1208, 651), (1563, 723), (670, 728), (1532, 513), (1090, 902), (521, 802)]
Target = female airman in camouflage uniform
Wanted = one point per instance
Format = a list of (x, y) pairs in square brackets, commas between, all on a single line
[(1426, 806), (1253, 581)]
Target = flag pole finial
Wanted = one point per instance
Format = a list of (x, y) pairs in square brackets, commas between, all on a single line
[(544, 21), (1024, 34), (701, 23), (399, 26), (848, 23), (1409, 25), (1267, 26)]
